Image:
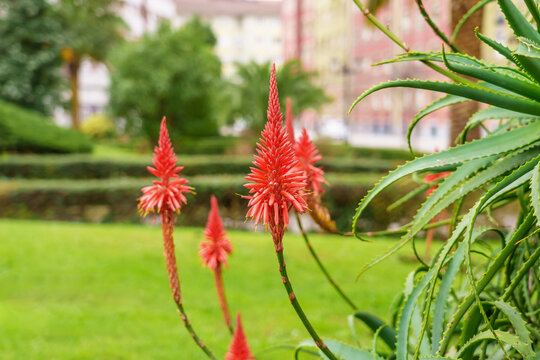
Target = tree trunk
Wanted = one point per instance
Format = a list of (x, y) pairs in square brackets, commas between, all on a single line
[(74, 66), (468, 43)]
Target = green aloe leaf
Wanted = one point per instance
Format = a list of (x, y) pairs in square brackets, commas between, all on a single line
[(477, 93), (517, 85), (535, 192), (506, 338), (386, 332), (492, 145), (517, 21), (341, 350), (492, 113), (517, 321), (498, 47), (434, 106), (527, 48), (479, 5)]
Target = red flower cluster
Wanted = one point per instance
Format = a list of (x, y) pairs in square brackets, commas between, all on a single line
[(216, 247), (165, 194), (307, 155), (432, 177), (276, 183), (239, 348)]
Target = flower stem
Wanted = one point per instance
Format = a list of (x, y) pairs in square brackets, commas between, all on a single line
[(294, 302), (167, 225), (218, 277), (321, 266)]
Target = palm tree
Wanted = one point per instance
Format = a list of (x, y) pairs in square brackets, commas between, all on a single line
[(91, 29)]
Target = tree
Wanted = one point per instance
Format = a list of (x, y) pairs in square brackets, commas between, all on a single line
[(467, 42), (30, 60), (293, 82), (91, 30), (173, 73)]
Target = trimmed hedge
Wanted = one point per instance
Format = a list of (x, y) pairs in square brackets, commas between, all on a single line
[(26, 131), (114, 200), (348, 151), (88, 167)]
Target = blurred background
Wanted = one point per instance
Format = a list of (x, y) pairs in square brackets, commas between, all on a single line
[(84, 85)]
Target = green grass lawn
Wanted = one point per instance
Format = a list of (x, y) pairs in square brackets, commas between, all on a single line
[(87, 291)]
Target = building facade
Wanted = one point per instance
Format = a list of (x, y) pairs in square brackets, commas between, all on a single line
[(343, 47), (245, 31)]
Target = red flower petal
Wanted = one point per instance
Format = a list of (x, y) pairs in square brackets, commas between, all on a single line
[(165, 194), (239, 348), (216, 247), (276, 170)]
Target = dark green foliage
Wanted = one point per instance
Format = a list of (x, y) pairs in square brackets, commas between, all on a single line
[(30, 44), (172, 73), (71, 199), (87, 167), (27, 131), (250, 91), (91, 27)]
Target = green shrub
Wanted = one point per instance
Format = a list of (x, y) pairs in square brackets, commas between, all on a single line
[(26, 131), (87, 167), (98, 126), (77, 199)]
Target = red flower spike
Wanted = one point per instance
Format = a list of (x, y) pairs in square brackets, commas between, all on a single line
[(216, 247), (288, 121), (239, 348), (307, 155), (432, 177), (276, 183), (168, 192)]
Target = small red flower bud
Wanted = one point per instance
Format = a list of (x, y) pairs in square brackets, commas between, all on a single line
[(239, 348), (307, 155), (215, 248)]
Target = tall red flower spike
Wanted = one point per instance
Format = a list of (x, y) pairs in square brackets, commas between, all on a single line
[(214, 255), (433, 177), (288, 120), (239, 348), (166, 196), (216, 247), (307, 155), (168, 192), (276, 183)]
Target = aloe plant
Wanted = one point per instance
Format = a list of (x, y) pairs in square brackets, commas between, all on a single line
[(475, 299)]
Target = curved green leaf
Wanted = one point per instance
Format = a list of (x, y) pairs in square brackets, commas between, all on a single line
[(535, 192), (527, 48), (479, 5), (505, 337), (517, 321), (478, 93), (522, 87), (386, 332), (492, 145), (436, 105), (517, 21), (341, 350)]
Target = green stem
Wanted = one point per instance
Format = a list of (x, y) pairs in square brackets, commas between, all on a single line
[(189, 328), (220, 288), (321, 266), (404, 46), (167, 226), (484, 281), (433, 26), (294, 302)]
